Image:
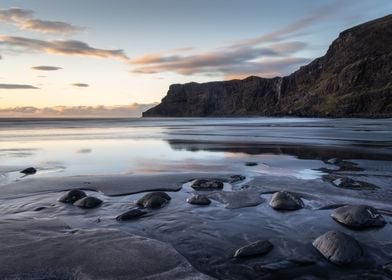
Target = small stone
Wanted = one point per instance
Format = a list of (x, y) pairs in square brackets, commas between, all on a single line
[(338, 247), (141, 201), (358, 216), (348, 183), (198, 199), (237, 178), (257, 248), (131, 215), (29, 171), (72, 196), (286, 201), (251, 163), (88, 202), (205, 184)]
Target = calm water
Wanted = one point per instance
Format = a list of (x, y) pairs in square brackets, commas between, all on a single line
[(288, 146)]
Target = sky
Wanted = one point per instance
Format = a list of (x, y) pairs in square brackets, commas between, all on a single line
[(118, 58)]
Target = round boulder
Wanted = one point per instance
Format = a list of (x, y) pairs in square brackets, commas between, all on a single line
[(286, 201), (131, 215), (29, 171), (206, 184), (198, 199), (358, 216), (153, 200), (72, 196), (88, 202), (338, 247), (257, 248)]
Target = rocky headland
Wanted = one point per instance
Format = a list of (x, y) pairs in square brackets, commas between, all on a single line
[(353, 79)]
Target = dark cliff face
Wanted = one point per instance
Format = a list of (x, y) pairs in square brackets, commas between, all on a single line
[(353, 79)]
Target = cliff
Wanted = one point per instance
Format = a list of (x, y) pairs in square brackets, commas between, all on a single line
[(353, 79)]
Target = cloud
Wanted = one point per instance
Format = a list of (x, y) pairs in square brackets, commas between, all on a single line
[(268, 55), (293, 27), (67, 47), (46, 68), (80, 85), (16, 86), (133, 110), (223, 61), (24, 20)]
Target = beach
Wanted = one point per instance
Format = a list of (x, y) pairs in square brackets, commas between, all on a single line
[(327, 163)]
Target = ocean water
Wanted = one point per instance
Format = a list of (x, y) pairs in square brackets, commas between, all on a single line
[(288, 146)]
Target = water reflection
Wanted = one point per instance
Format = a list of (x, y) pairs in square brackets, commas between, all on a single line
[(282, 147)]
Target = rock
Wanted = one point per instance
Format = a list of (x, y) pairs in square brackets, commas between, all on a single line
[(238, 199), (257, 248), (29, 171), (88, 202), (346, 82), (72, 196), (286, 201), (358, 216), (251, 163), (153, 200), (338, 247), (236, 178), (205, 184), (348, 183), (131, 215), (199, 199)]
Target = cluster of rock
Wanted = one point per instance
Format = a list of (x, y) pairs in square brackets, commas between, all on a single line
[(338, 247), (80, 199)]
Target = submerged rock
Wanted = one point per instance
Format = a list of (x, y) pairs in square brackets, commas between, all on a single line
[(358, 216), (205, 184), (198, 199), (286, 201), (153, 200), (237, 178), (131, 215), (251, 163), (348, 183), (72, 196), (88, 202), (29, 171), (238, 199), (338, 247), (257, 248)]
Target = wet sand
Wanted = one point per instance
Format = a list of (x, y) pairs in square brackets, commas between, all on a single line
[(43, 238)]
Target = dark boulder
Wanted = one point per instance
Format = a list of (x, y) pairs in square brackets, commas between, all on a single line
[(257, 248), (286, 201), (207, 184), (29, 171), (131, 215), (358, 216), (199, 199), (88, 202), (72, 196), (338, 247), (153, 200)]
